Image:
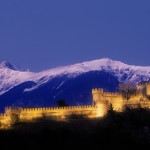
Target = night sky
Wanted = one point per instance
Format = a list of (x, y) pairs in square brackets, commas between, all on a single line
[(41, 34)]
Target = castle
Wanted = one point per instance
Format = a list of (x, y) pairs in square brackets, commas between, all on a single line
[(100, 103)]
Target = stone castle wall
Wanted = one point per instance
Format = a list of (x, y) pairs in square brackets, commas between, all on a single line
[(4, 119), (101, 101), (113, 98), (60, 112), (144, 87)]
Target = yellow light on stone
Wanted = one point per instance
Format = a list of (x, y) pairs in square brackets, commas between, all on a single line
[(101, 109), (63, 117)]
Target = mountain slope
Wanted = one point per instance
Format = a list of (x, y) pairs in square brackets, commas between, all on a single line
[(73, 82)]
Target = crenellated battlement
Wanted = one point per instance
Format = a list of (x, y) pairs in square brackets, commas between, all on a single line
[(12, 108), (112, 94), (97, 90), (19, 110), (55, 108), (26, 113), (143, 83), (101, 91)]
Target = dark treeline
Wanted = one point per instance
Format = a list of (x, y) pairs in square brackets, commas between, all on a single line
[(129, 129)]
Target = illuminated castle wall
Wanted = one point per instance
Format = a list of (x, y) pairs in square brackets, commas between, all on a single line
[(107, 98), (56, 112), (101, 101)]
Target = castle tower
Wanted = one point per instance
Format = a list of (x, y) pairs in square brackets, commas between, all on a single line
[(144, 87), (97, 95), (148, 89), (12, 110), (98, 101)]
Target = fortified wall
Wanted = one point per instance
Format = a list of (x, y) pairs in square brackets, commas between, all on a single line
[(4, 118), (144, 88), (56, 112), (101, 97), (100, 104)]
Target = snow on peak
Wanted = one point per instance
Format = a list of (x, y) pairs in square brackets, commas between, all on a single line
[(108, 64), (95, 65), (8, 65), (103, 63), (12, 76)]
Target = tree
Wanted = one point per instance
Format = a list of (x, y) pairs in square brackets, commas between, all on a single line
[(110, 107), (110, 110), (61, 103), (127, 89)]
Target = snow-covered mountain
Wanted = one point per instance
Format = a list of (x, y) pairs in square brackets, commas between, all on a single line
[(65, 81)]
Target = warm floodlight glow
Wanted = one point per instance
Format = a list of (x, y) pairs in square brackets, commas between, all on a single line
[(101, 109), (63, 117)]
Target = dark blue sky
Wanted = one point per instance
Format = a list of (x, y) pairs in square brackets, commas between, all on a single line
[(40, 34)]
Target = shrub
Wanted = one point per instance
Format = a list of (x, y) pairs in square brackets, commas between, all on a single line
[(61, 103)]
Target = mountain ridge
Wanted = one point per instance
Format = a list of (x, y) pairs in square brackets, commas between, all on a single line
[(12, 76), (28, 88), (104, 61)]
